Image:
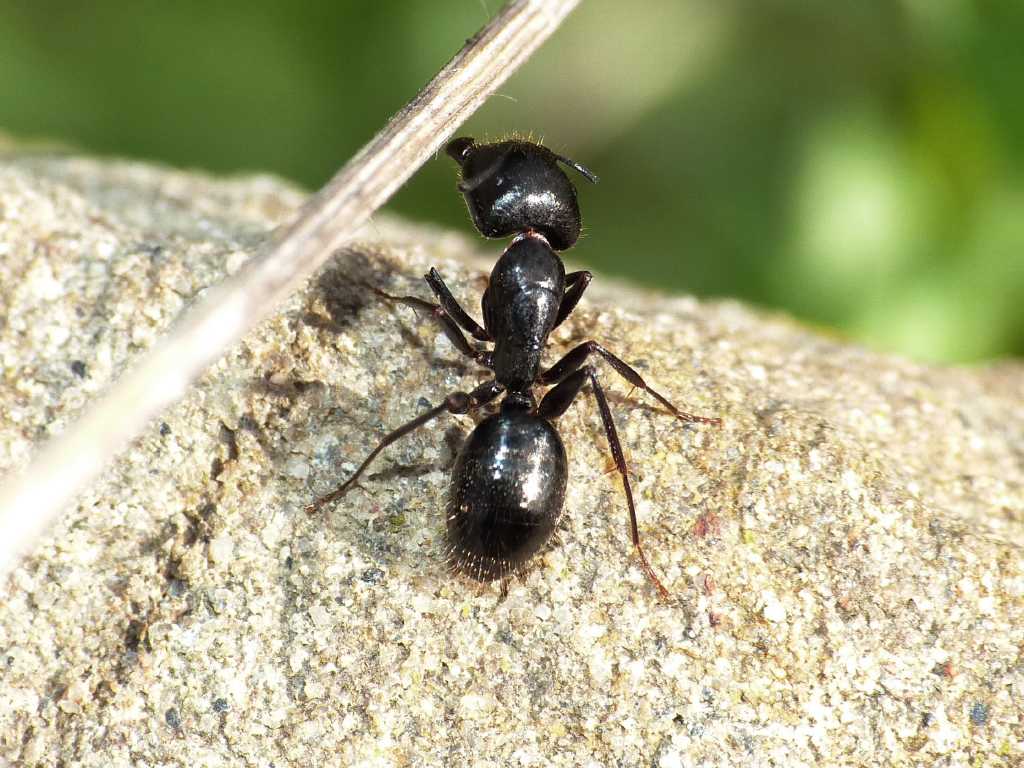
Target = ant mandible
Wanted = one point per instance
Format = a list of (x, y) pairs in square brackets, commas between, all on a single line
[(508, 483)]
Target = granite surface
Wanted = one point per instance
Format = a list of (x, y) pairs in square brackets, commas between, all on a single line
[(844, 553)]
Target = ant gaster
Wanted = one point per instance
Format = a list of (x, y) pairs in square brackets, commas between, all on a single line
[(508, 482)]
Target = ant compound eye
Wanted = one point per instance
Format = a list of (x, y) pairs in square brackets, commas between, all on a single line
[(459, 149)]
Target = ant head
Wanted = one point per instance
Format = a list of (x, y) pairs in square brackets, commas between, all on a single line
[(514, 186)]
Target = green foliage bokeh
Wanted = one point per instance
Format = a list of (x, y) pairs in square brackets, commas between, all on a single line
[(858, 165)]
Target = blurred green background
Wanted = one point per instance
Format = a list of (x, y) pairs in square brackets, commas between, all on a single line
[(856, 164)]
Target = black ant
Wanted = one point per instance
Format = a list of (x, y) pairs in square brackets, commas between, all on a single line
[(508, 483)]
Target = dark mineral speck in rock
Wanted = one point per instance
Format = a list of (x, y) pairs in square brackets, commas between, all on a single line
[(78, 368), (164, 429), (373, 576), (248, 423), (979, 713), (173, 718), (220, 705), (423, 403)]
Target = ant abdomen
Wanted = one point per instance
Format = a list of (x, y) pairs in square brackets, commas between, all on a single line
[(506, 494)]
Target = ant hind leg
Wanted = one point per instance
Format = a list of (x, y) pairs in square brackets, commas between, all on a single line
[(455, 403), (556, 402)]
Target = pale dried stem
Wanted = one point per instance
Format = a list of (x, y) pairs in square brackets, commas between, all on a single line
[(30, 502)]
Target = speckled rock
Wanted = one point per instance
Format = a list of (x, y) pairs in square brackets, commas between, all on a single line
[(844, 553)]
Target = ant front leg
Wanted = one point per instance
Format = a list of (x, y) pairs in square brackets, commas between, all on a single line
[(556, 402), (448, 325), (453, 308), (456, 403), (575, 284), (576, 357)]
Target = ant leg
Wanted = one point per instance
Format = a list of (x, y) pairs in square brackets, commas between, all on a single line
[(451, 330), (555, 403), (455, 403), (575, 284), (453, 308), (576, 357)]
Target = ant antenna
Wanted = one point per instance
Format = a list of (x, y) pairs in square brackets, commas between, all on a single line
[(581, 169), (468, 185)]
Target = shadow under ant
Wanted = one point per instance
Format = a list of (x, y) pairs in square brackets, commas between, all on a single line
[(343, 297)]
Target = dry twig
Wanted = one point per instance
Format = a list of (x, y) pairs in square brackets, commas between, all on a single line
[(30, 503)]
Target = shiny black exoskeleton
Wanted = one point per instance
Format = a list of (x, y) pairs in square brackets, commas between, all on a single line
[(515, 186), (508, 483)]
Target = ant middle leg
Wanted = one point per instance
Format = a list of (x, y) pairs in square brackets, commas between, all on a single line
[(556, 402), (578, 356), (456, 403)]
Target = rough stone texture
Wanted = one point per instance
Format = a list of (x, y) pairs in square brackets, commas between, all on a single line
[(844, 553)]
